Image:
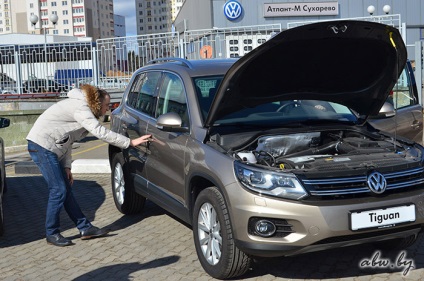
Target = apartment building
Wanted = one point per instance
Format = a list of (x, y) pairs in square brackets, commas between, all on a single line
[(175, 8), (153, 16), (79, 18)]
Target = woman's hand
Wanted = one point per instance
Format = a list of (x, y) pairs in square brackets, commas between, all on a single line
[(69, 175), (140, 140)]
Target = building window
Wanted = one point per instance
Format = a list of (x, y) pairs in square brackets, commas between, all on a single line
[(55, 31), (64, 3), (54, 4), (78, 10), (65, 21), (78, 20), (66, 31), (79, 29)]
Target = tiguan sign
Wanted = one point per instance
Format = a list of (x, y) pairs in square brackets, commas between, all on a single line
[(301, 9)]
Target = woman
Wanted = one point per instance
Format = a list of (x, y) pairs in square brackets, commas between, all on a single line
[(50, 145)]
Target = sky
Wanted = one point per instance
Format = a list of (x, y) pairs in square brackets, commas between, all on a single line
[(126, 8)]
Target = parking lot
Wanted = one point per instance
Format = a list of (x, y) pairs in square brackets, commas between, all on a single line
[(154, 245)]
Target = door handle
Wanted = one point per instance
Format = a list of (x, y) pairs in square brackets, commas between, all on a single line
[(416, 124)]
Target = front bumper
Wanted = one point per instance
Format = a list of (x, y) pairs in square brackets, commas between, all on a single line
[(317, 225)]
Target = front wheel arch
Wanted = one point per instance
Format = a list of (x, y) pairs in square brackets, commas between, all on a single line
[(214, 239)]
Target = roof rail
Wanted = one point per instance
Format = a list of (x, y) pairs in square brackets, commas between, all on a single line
[(184, 62)]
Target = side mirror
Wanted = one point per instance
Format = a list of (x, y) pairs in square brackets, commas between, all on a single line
[(4, 122), (386, 111), (171, 122)]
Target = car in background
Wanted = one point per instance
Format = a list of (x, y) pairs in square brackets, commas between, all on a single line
[(43, 86), (272, 154), (4, 122), (7, 84)]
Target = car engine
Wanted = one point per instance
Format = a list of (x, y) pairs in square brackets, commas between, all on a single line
[(323, 151)]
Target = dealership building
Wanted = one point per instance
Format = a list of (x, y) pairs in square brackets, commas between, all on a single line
[(408, 16)]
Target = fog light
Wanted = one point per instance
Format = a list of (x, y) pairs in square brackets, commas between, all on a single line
[(265, 228)]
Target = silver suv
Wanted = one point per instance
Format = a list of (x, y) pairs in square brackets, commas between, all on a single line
[(271, 154)]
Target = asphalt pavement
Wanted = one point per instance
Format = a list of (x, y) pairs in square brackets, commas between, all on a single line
[(152, 245)]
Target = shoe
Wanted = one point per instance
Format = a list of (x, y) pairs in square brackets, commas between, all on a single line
[(58, 240), (93, 232)]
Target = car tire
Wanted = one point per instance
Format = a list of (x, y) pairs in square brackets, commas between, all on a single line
[(396, 244), (127, 201), (213, 237)]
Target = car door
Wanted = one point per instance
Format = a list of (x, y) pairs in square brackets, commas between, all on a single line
[(408, 121), (141, 102), (165, 161)]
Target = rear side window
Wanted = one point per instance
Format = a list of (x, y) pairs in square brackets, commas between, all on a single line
[(142, 92)]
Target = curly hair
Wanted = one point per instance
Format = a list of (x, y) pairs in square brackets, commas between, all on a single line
[(95, 97)]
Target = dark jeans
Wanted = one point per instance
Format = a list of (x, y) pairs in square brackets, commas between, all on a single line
[(60, 191)]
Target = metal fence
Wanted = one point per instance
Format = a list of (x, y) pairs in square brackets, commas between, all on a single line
[(109, 63), (38, 68)]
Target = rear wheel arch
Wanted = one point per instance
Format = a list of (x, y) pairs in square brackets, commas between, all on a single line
[(126, 199), (112, 151)]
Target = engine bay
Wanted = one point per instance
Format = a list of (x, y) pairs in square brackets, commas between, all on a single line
[(326, 150)]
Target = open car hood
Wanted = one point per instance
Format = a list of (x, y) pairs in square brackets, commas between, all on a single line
[(354, 63)]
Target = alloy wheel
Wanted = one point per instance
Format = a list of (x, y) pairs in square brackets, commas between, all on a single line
[(209, 230), (119, 183)]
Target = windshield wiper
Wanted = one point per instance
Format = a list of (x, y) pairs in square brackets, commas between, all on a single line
[(261, 124), (327, 121)]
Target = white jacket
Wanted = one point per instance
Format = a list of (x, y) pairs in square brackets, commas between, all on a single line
[(67, 121)]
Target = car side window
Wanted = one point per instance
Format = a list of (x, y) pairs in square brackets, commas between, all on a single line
[(142, 92), (402, 94), (172, 98)]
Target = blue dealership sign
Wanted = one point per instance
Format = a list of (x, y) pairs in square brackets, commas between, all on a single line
[(233, 10)]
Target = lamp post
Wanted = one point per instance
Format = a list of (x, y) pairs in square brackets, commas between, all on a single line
[(34, 19), (386, 9)]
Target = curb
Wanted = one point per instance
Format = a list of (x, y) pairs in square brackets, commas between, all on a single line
[(79, 166), (90, 166)]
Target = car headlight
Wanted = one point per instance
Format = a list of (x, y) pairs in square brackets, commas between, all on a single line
[(283, 185)]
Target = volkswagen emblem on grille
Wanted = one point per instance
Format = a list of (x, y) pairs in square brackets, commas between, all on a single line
[(376, 182)]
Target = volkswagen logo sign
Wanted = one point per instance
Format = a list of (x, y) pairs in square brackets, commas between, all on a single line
[(233, 10), (376, 182)]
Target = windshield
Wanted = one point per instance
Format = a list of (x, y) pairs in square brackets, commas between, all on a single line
[(205, 90), (273, 113)]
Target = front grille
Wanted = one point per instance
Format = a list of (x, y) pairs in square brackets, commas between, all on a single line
[(341, 186)]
